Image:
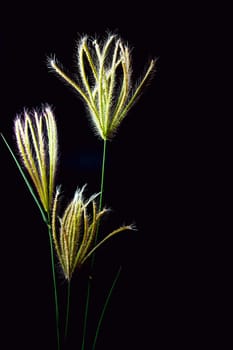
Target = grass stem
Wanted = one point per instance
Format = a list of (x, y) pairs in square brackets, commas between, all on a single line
[(102, 177), (55, 286), (93, 256), (47, 221), (86, 314), (67, 310)]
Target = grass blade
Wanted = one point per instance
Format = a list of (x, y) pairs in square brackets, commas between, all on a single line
[(26, 180), (105, 307)]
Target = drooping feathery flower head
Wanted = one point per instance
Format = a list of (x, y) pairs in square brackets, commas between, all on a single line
[(104, 81), (36, 136), (74, 234)]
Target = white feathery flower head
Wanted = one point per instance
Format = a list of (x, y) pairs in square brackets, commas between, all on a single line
[(104, 81)]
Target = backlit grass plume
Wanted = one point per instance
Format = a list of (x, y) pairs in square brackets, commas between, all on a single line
[(36, 136), (75, 232), (104, 81)]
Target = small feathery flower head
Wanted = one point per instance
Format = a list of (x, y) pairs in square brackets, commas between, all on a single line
[(36, 137), (74, 234), (104, 81)]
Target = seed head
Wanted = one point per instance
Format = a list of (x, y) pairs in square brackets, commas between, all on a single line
[(36, 136), (104, 81), (74, 234)]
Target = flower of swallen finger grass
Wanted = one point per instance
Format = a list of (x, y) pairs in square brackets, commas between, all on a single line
[(77, 228), (104, 81), (36, 136)]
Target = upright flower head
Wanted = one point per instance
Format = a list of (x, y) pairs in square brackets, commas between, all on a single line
[(74, 234), (36, 136), (104, 81)]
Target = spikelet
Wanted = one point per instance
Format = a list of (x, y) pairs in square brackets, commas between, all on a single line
[(36, 136), (75, 232), (104, 72)]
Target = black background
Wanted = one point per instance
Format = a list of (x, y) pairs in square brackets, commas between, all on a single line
[(151, 179)]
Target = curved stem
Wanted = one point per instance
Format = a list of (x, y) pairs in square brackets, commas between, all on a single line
[(105, 307), (93, 256), (67, 309), (55, 286)]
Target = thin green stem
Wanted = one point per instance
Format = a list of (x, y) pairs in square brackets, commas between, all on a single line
[(102, 175), (26, 180), (105, 307), (101, 193), (93, 256), (67, 309), (55, 286), (86, 315)]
